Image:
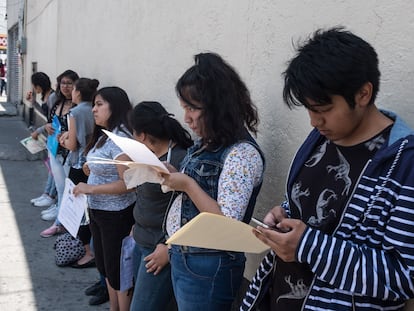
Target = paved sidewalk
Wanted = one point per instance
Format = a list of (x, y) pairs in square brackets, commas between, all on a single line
[(29, 278)]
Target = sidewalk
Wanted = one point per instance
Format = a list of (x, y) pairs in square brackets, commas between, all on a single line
[(29, 278)]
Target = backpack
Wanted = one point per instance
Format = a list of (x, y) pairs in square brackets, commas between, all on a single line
[(68, 250)]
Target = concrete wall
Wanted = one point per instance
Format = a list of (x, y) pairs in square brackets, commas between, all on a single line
[(144, 46), (3, 18)]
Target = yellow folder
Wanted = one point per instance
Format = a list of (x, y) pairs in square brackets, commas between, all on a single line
[(218, 232)]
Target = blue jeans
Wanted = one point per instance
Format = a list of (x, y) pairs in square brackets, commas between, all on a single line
[(151, 292), (50, 187), (59, 172), (207, 281)]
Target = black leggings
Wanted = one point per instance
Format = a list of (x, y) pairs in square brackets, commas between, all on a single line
[(108, 229)]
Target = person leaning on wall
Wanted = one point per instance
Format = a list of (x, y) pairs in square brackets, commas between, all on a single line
[(80, 127), (347, 240), (60, 109), (221, 174), (41, 85), (110, 203), (157, 129)]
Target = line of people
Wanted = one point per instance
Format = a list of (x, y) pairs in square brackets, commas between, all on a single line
[(113, 210), (345, 230)]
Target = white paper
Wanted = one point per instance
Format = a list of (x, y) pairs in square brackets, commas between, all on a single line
[(137, 151), (144, 167), (72, 208), (34, 145)]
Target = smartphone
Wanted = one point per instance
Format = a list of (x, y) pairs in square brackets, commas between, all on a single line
[(258, 222)]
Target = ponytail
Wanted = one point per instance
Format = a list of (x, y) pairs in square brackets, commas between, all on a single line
[(151, 118)]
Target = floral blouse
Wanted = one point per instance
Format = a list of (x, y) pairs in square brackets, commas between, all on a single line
[(242, 171)]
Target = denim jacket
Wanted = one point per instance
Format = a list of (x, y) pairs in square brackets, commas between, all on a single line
[(205, 167)]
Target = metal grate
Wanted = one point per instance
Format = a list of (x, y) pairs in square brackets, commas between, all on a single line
[(13, 67)]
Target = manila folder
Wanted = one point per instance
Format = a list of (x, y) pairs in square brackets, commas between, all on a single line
[(213, 231)]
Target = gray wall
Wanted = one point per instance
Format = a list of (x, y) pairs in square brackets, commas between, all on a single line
[(144, 46)]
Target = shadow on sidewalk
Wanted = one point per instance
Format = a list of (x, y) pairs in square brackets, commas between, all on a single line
[(29, 278)]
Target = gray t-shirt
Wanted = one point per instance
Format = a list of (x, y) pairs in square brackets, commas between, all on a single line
[(84, 127), (51, 100), (151, 206), (107, 173)]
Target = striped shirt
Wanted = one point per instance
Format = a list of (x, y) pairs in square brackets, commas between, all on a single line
[(368, 262)]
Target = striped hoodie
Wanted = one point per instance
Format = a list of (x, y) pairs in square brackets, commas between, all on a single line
[(368, 263)]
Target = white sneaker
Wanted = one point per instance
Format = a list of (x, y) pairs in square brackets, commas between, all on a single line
[(38, 198), (50, 215), (46, 201), (49, 209)]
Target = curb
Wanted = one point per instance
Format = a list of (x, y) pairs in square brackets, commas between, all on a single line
[(7, 109)]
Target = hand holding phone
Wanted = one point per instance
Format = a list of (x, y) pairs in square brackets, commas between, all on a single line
[(262, 224)]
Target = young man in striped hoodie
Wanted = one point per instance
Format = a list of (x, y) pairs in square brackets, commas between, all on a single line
[(348, 220)]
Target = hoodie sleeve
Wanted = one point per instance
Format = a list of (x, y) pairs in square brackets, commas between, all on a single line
[(372, 252)]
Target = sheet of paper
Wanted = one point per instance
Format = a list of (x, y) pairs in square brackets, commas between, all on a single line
[(34, 145), (137, 151), (72, 208), (144, 167), (218, 232)]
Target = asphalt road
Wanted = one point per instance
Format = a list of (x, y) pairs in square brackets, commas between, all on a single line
[(29, 278)]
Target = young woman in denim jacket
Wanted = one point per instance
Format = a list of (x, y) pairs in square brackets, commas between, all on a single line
[(221, 174)]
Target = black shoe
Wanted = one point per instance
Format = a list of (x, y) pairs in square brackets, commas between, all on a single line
[(101, 297), (93, 289), (89, 264)]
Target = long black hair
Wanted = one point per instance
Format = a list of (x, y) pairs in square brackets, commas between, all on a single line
[(120, 107), (151, 118), (70, 74), (42, 80), (60, 98), (227, 109)]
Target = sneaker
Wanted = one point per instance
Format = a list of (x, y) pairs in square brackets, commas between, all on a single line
[(49, 209), (51, 214), (46, 201), (52, 230), (38, 198)]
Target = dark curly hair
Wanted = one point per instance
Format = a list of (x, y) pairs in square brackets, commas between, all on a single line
[(227, 109)]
